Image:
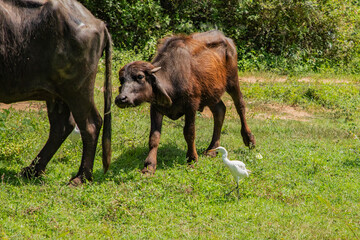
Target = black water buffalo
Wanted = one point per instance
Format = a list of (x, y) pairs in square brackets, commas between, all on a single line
[(187, 74), (49, 51)]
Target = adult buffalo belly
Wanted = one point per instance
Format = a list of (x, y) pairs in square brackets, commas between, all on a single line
[(30, 89)]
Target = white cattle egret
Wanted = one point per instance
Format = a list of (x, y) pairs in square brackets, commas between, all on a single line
[(237, 168)]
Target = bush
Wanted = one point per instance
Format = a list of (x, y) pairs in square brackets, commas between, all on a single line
[(133, 24), (280, 35)]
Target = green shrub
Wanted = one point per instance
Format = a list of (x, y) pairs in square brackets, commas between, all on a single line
[(133, 24), (284, 36)]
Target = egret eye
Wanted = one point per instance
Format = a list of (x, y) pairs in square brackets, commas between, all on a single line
[(140, 77)]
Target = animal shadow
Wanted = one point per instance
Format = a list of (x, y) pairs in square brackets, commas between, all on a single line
[(131, 159)]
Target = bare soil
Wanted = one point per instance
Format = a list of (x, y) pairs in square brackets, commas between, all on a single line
[(24, 106), (265, 111), (278, 111), (255, 79)]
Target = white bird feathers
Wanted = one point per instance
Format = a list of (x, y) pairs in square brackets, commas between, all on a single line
[(237, 168)]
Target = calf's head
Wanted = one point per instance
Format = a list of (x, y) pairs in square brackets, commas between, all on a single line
[(138, 84)]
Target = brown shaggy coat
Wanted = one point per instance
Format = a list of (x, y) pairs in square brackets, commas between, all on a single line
[(187, 74)]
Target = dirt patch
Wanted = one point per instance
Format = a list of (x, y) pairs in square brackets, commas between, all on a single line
[(328, 81), (277, 111), (24, 106), (264, 111), (253, 79)]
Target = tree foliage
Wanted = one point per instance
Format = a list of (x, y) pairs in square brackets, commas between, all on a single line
[(309, 34)]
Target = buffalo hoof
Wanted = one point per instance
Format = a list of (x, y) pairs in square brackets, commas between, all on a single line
[(30, 172), (210, 154), (76, 182), (191, 162), (249, 140), (148, 170), (191, 165)]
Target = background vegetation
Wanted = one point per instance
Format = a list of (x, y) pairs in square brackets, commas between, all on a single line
[(284, 36)]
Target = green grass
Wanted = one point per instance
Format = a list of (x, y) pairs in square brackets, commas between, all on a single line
[(307, 185)]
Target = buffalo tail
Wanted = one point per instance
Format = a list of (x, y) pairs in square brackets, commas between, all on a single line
[(106, 137)]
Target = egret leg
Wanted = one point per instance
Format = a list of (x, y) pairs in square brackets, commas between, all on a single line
[(237, 190), (237, 187), (230, 192)]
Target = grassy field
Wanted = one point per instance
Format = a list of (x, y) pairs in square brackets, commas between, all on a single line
[(306, 186)]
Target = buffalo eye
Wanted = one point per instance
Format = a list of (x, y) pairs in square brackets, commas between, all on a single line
[(139, 77), (122, 80)]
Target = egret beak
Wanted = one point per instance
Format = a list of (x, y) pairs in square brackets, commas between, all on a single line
[(212, 150)]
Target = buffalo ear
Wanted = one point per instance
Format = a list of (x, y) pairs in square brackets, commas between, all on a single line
[(161, 96)]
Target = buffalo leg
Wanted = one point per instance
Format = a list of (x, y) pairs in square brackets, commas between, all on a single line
[(218, 110), (89, 122), (61, 125), (237, 97), (154, 139), (189, 134)]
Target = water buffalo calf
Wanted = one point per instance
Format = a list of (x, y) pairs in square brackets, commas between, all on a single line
[(187, 74), (49, 51)]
